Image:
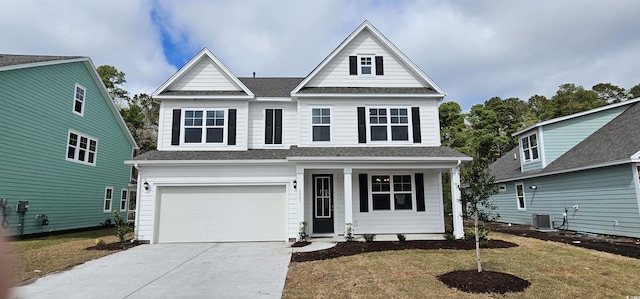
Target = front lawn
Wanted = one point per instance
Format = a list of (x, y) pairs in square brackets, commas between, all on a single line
[(555, 270), (37, 257)]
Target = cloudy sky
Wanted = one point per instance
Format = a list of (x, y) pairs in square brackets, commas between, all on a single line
[(474, 50)]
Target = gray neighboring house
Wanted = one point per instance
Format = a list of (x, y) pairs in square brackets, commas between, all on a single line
[(581, 170)]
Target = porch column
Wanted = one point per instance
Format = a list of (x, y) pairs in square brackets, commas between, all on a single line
[(456, 203), (348, 200), (300, 190)]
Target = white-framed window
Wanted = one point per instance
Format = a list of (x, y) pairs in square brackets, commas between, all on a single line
[(123, 199), (520, 197), (392, 192), (529, 146), (81, 148), (389, 124), (204, 126), (321, 124), (108, 198), (78, 99), (366, 65), (502, 188)]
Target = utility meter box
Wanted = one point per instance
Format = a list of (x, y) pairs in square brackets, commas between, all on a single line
[(23, 206)]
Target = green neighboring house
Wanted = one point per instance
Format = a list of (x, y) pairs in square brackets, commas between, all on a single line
[(62, 146), (578, 172)]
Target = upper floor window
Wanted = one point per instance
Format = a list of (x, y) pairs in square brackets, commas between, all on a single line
[(530, 147), (81, 149), (321, 124), (204, 126), (367, 65), (78, 100), (273, 126), (391, 192), (389, 124)]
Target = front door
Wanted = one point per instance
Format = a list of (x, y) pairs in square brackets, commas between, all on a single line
[(322, 203)]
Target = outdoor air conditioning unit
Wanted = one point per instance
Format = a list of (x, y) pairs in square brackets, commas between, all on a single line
[(542, 222)]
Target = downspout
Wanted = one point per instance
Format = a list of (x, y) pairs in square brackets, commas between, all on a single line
[(138, 195)]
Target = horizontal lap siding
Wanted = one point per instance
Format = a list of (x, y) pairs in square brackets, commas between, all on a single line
[(381, 222), (205, 75), (257, 124), (166, 113), (345, 121), (603, 196), (336, 73), (35, 118)]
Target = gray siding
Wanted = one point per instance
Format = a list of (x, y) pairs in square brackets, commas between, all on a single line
[(603, 195), (35, 118)]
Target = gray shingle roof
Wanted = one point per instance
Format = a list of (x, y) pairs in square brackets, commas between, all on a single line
[(283, 154), (617, 140), (368, 90), (271, 87), (203, 93), (9, 59)]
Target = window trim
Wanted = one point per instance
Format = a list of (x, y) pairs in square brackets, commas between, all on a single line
[(372, 57), (409, 125), (203, 140), (522, 149), (524, 197), (124, 200), (392, 192), (107, 199), (75, 99), (77, 148), (264, 128), (312, 125)]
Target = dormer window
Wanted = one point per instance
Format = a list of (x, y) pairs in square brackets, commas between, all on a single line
[(366, 65), (529, 146)]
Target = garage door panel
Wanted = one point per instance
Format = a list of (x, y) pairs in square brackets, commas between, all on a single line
[(221, 214)]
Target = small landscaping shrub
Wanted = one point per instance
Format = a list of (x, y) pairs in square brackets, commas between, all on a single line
[(302, 232), (122, 227), (99, 243), (369, 237), (449, 236), (401, 237), (348, 235)]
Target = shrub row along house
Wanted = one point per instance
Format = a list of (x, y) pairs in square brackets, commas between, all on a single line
[(63, 146), (355, 143), (578, 172)]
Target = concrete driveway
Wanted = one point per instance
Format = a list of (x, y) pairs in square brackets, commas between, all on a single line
[(200, 270)]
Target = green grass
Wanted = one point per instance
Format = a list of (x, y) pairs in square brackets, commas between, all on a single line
[(30, 244)]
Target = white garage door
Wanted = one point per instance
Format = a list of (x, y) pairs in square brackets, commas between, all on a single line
[(222, 214)]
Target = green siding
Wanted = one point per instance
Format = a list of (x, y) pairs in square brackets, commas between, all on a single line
[(531, 166), (562, 136), (603, 196), (35, 117)]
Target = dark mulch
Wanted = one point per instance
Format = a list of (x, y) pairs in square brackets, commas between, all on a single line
[(114, 246), (300, 244), (612, 244), (472, 281), (353, 248)]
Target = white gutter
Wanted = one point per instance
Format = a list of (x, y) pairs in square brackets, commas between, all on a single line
[(201, 97), (357, 95), (205, 162), (379, 159)]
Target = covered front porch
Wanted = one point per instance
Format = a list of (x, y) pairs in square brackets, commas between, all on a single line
[(376, 196)]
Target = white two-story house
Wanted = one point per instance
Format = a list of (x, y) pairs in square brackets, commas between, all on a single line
[(355, 143)]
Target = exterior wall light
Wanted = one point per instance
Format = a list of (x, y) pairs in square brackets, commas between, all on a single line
[(295, 184), (534, 187), (146, 185)]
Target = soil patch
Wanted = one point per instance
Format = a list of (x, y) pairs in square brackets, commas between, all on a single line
[(612, 244), (472, 281), (114, 246), (353, 248), (300, 244)]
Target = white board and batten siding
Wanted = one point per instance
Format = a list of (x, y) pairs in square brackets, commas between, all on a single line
[(344, 121), (257, 117), (166, 117), (204, 75), (406, 222), (336, 72)]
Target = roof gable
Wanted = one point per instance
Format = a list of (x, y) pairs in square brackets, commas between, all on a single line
[(400, 71), (203, 75)]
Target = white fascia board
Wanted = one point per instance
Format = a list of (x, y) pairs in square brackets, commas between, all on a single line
[(366, 95), (566, 117), (41, 63), (600, 165), (203, 162), (380, 159), (201, 97), (273, 99), (635, 156)]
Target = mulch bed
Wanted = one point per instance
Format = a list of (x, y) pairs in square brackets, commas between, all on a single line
[(472, 281), (114, 246), (628, 247), (300, 244), (353, 248)]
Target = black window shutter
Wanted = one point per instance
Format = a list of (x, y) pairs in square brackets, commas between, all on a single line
[(268, 127), (379, 66), (175, 127), (362, 126), (277, 139), (415, 119), (231, 137), (353, 65), (420, 192), (364, 194)]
